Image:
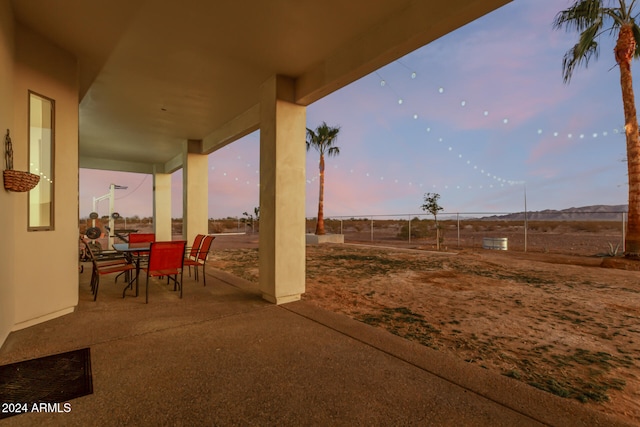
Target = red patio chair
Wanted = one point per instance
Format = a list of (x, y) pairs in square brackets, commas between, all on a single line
[(107, 267), (165, 259), (193, 250), (102, 257), (135, 257), (201, 257), (140, 238)]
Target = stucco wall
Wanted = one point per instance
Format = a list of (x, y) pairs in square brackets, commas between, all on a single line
[(7, 284), (45, 277)]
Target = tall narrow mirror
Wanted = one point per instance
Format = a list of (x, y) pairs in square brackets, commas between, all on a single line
[(41, 150)]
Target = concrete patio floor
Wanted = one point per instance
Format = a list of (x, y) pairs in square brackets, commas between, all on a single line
[(223, 356)]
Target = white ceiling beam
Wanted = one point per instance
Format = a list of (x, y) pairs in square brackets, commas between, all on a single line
[(114, 165), (241, 125)]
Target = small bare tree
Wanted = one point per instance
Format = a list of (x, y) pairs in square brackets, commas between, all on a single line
[(431, 205), (251, 220)]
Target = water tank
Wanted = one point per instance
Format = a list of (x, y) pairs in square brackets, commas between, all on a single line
[(499, 243)]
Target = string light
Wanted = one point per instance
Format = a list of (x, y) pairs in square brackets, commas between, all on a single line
[(505, 121), (496, 180)]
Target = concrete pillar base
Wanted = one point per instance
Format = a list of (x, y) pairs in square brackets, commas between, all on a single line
[(314, 239), (281, 299)]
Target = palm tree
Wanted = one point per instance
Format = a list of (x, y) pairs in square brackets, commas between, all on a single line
[(323, 140), (592, 18)]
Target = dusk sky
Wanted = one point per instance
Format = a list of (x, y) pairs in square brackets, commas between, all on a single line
[(474, 116)]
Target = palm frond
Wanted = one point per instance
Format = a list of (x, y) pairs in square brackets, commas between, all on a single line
[(618, 15), (323, 139), (636, 36), (333, 151), (583, 51), (580, 16), (592, 18)]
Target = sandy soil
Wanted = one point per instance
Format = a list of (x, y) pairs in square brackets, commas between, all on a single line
[(557, 322)]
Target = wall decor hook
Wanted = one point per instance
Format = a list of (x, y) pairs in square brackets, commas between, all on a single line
[(8, 151)]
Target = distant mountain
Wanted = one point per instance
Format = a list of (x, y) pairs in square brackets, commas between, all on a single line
[(585, 213)]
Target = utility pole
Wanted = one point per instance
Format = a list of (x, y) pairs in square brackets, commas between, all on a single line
[(525, 218), (112, 218)]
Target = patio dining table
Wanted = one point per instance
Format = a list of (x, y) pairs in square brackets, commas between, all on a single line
[(136, 251)]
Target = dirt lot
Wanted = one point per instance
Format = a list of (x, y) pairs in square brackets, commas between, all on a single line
[(558, 322)]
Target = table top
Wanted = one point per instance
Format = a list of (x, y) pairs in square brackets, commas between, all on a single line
[(132, 247)]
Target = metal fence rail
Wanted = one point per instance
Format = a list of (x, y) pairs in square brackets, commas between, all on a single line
[(583, 233)]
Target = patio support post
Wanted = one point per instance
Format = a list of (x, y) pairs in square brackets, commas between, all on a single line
[(282, 192), (162, 206), (195, 187)]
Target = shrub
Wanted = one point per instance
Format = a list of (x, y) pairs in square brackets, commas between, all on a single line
[(419, 230)]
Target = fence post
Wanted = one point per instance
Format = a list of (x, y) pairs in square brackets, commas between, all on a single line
[(409, 228), (372, 229), (526, 226), (458, 220), (341, 229)]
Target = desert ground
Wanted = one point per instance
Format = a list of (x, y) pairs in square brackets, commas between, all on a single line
[(562, 316), (558, 321)]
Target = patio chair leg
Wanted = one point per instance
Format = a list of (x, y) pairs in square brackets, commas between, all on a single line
[(94, 279), (95, 293), (130, 285), (146, 290)]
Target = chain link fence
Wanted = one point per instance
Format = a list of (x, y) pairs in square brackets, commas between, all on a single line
[(575, 233)]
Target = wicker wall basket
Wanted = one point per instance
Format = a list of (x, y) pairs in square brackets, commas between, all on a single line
[(19, 181)]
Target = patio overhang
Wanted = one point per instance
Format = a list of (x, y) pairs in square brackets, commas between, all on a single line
[(153, 86), (153, 74)]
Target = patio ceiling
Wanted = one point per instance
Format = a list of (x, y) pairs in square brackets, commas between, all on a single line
[(154, 74)]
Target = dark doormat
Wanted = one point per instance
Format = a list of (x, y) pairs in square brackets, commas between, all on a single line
[(45, 384)]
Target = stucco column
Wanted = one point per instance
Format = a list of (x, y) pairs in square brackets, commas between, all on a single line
[(195, 187), (162, 206), (282, 192)]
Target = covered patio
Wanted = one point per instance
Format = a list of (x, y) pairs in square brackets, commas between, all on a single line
[(156, 86)]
